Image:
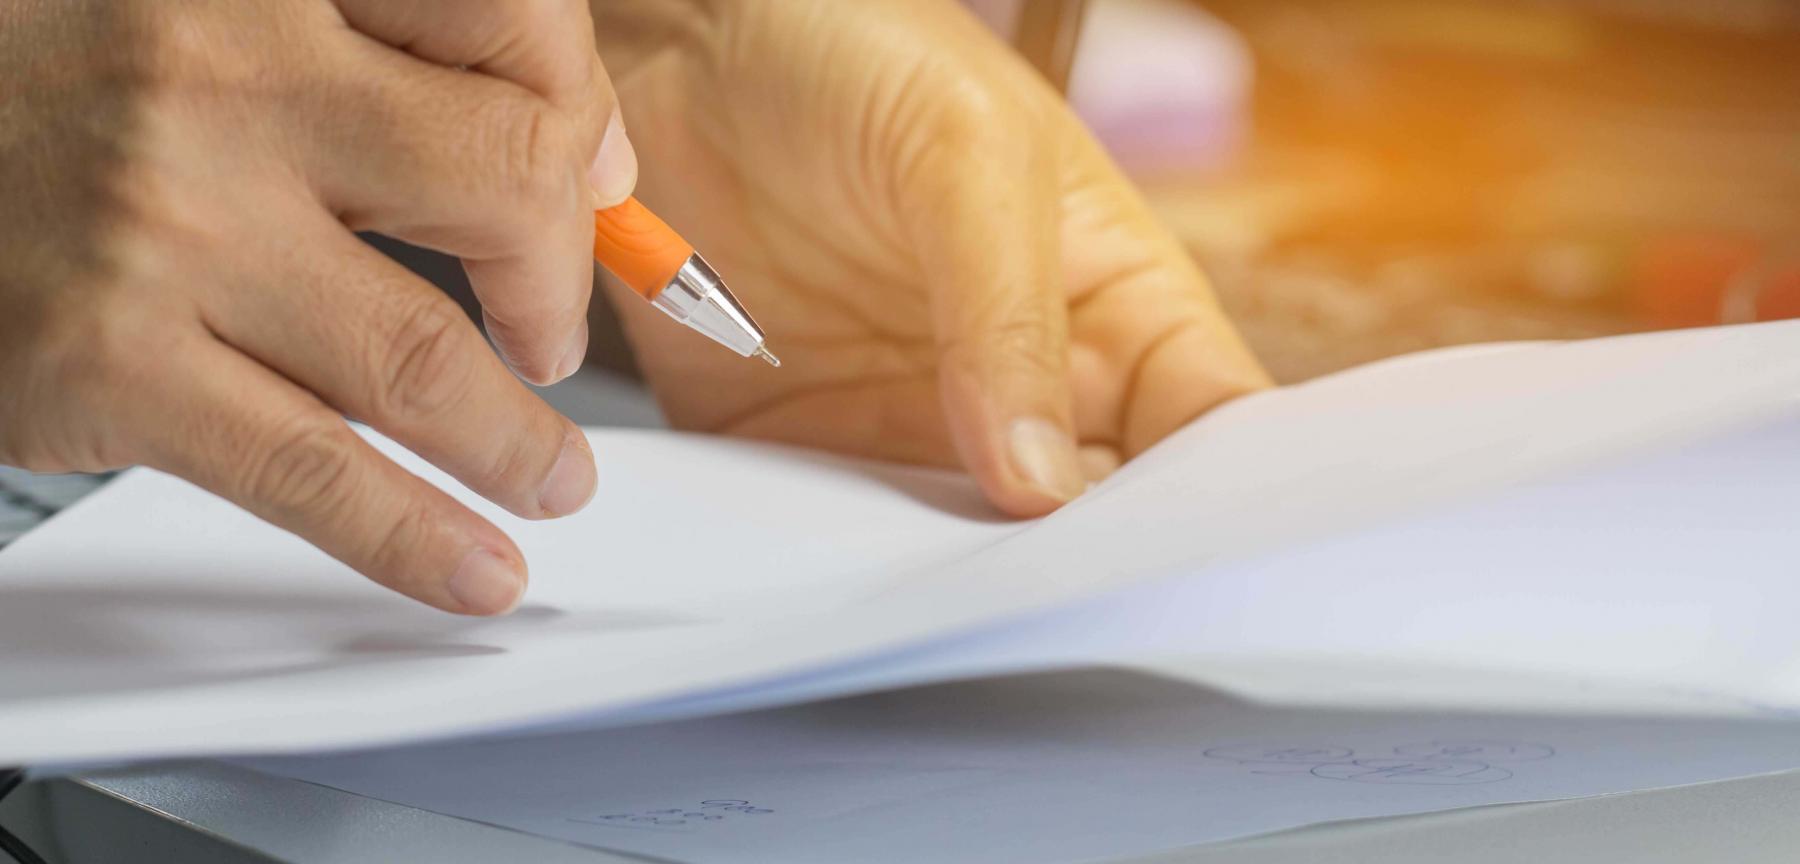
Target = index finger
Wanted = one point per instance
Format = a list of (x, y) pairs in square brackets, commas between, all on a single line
[(381, 345), (1156, 349), (573, 150), (261, 442), (981, 210)]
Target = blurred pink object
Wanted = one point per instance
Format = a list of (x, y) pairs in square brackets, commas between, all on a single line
[(1001, 15), (1164, 85)]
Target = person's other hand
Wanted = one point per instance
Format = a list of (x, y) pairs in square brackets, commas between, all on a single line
[(180, 285), (948, 265)]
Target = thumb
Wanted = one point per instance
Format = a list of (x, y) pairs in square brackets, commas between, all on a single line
[(984, 222)]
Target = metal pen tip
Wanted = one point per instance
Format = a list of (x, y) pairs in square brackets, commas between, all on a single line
[(772, 360)]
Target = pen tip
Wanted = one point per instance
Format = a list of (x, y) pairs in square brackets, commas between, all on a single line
[(771, 359)]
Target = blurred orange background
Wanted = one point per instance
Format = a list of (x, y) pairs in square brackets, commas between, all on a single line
[(1404, 174)]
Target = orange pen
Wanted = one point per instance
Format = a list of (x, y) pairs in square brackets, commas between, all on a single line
[(647, 255)]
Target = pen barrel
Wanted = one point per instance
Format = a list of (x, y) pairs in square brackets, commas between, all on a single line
[(639, 248)]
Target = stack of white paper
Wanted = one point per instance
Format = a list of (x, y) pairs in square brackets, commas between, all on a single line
[(1050, 769), (1381, 519)]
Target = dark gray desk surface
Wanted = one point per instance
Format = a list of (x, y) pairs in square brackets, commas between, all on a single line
[(210, 813)]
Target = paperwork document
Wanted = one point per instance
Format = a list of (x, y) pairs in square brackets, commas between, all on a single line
[(1058, 767), (153, 619)]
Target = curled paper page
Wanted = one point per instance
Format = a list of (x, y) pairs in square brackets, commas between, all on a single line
[(154, 619)]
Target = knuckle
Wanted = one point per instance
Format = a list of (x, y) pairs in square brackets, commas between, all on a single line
[(159, 222), (539, 16), (305, 473), (547, 21), (101, 346), (115, 335), (972, 106), (965, 129), (1012, 346), (197, 49), (535, 161), (83, 363), (397, 546), (971, 111), (520, 468), (182, 47), (427, 367)]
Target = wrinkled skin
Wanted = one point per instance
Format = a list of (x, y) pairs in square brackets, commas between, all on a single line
[(951, 269), (181, 287)]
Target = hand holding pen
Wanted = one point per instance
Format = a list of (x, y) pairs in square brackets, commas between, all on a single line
[(955, 272), (181, 287)]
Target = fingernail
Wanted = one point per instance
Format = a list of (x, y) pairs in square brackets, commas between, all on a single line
[(576, 355), (1098, 462), (615, 170), (486, 585), (1045, 456), (571, 482)]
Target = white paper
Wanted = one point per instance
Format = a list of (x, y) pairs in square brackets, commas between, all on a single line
[(1665, 581), (153, 619), (1065, 767)]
